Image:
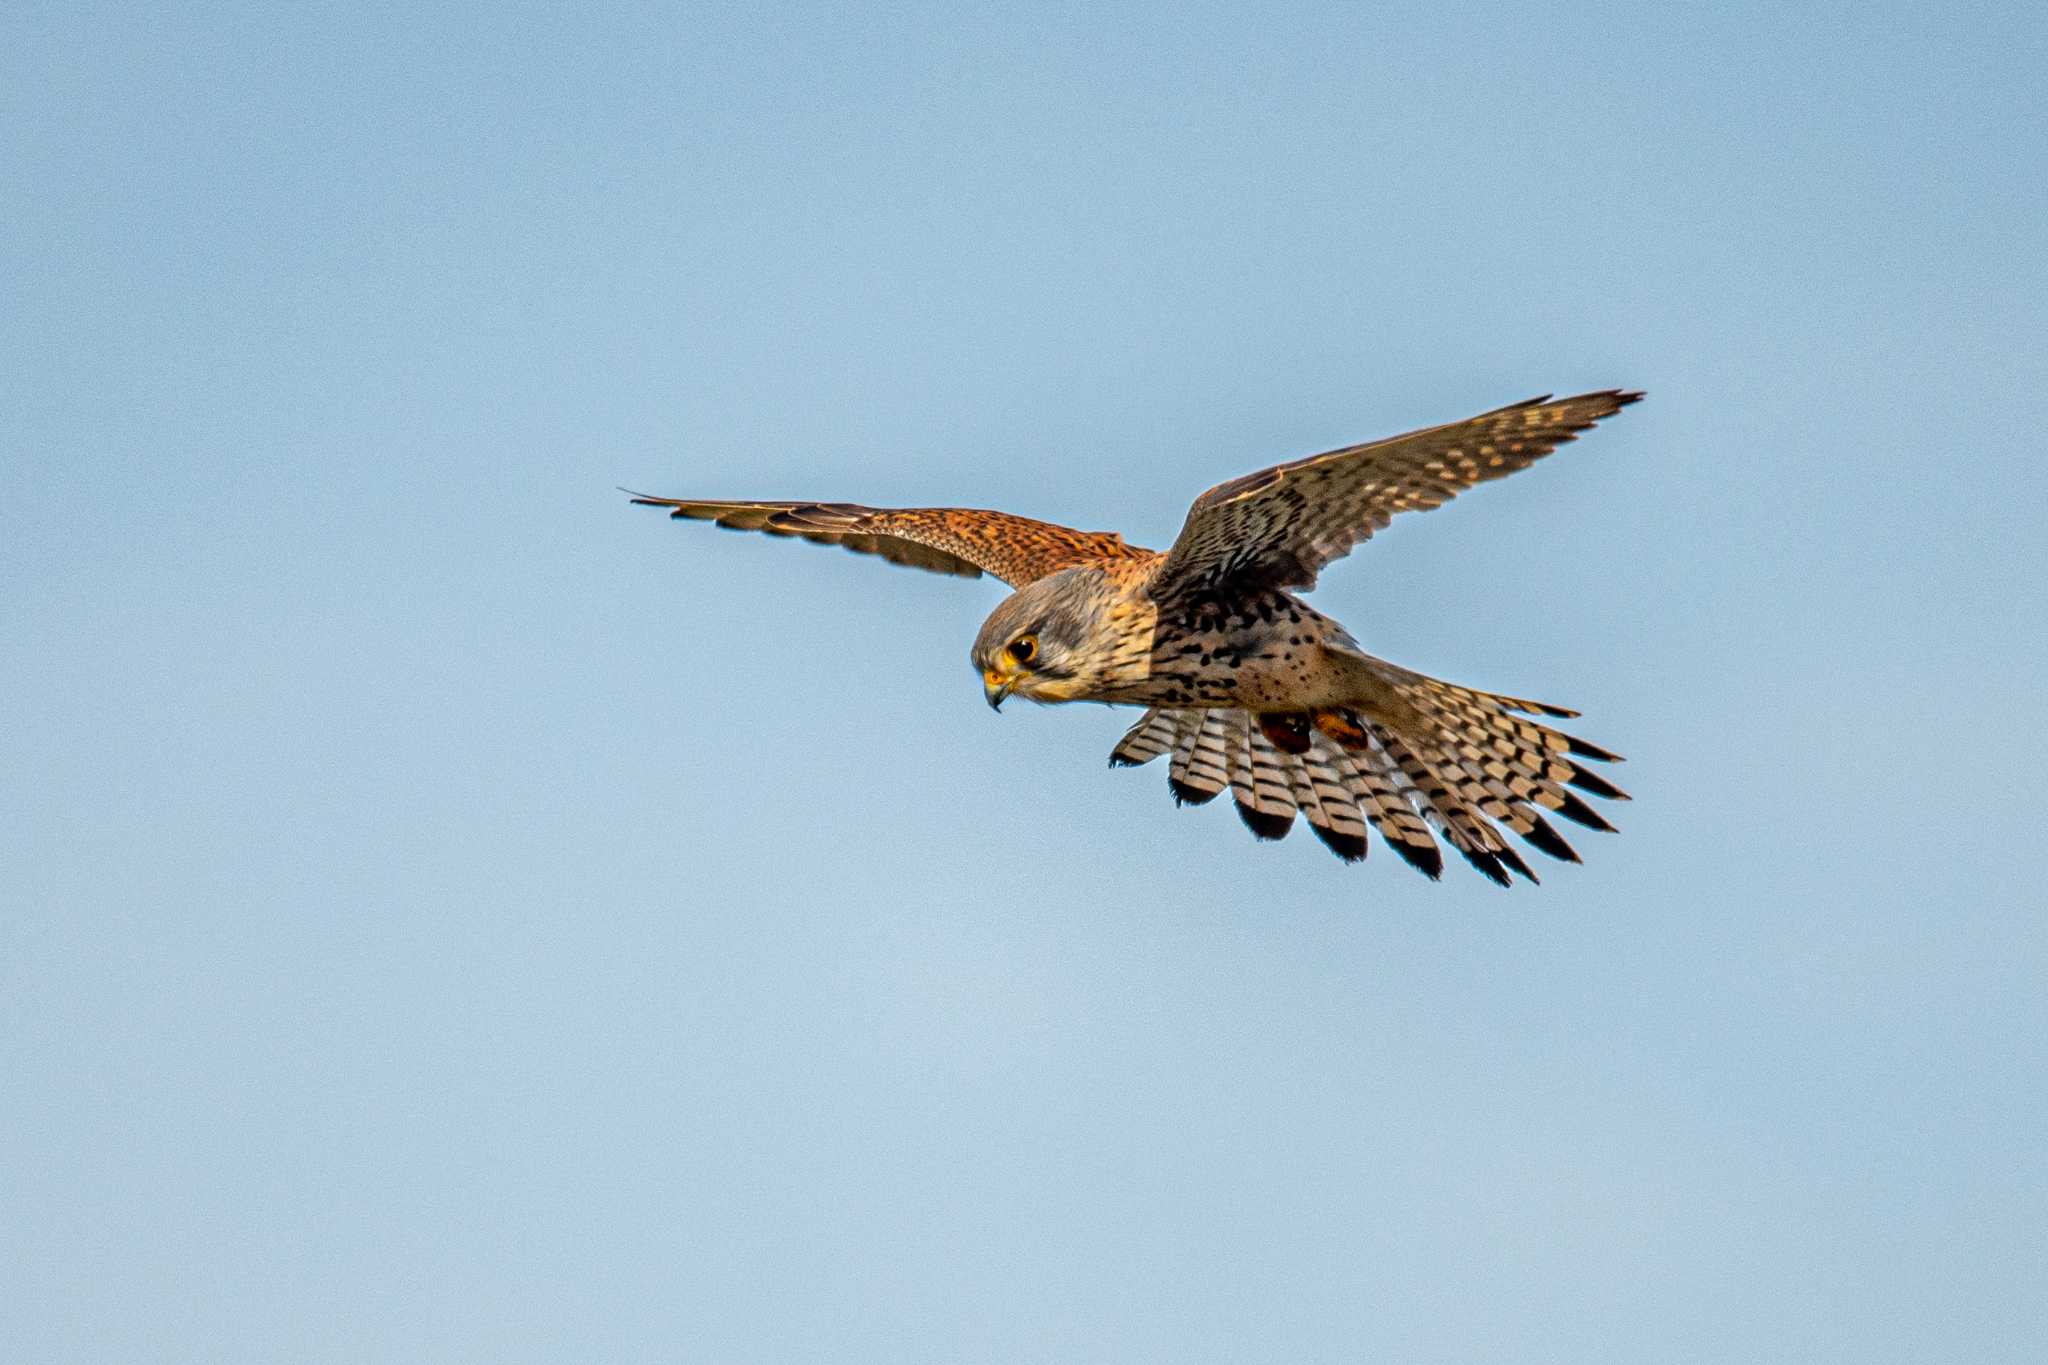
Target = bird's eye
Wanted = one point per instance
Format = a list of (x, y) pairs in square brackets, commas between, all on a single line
[(1023, 647)]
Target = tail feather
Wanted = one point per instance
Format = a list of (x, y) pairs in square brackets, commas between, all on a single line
[(1480, 721), (1327, 804), (1258, 780), (1503, 794), (1543, 836), (1384, 795), (1214, 749), (1579, 813), (1461, 764), (1200, 769), (1154, 734), (1529, 762), (1445, 801), (1588, 781)]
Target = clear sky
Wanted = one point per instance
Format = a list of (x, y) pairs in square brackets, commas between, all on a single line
[(448, 914)]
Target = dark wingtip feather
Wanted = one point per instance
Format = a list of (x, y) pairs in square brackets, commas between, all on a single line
[(1117, 760), (1263, 824), (1621, 398), (1185, 795), (1350, 847), (649, 500)]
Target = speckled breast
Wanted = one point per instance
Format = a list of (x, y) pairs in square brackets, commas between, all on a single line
[(1261, 650)]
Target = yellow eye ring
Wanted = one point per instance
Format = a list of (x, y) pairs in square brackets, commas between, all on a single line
[(1023, 648)]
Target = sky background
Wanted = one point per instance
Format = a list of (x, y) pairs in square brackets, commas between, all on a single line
[(449, 914)]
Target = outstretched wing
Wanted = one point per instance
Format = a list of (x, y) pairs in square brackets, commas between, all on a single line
[(954, 540), (1279, 527)]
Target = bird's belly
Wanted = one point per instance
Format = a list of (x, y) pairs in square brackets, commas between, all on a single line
[(1289, 677), (1266, 670)]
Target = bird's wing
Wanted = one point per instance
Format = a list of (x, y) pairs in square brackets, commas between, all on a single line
[(1279, 527), (951, 540)]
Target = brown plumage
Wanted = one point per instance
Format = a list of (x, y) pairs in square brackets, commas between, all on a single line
[(954, 540), (1247, 688)]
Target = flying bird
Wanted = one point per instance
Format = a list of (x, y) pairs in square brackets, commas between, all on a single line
[(1244, 685)]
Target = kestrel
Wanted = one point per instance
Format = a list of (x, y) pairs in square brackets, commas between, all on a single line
[(1244, 684)]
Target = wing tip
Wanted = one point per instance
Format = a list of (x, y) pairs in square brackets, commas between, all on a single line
[(1612, 400), (1620, 398)]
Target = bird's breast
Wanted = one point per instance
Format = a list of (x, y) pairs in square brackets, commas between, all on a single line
[(1258, 649)]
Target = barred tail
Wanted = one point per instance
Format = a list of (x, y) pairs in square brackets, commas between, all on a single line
[(1462, 763), (1340, 794), (1478, 765)]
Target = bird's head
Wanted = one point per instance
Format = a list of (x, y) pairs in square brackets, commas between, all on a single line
[(1046, 641)]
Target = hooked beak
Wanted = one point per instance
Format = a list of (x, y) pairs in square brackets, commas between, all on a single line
[(996, 687)]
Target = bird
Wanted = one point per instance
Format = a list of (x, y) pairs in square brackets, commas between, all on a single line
[(1245, 687)]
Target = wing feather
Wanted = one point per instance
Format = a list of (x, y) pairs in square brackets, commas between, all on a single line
[(1279, 527), (964, 541)]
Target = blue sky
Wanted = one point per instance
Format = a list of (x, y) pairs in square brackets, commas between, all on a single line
[(452, 915)]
